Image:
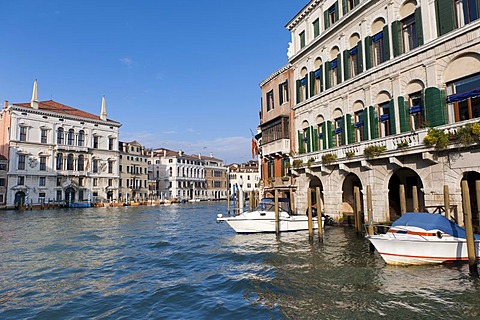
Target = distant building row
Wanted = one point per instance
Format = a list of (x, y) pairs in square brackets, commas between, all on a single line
[(51, 153)]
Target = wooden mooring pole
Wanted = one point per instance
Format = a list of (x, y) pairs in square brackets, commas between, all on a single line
[(403, 200), (446, 201), (467, 214), (477, 189), (310, 222), (319, 213), (277, 218), (370, 215), (358, 210), (415, 198), (251, 200), (228, 201)]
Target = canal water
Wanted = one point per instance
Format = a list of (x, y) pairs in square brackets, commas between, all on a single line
[(176, 262)]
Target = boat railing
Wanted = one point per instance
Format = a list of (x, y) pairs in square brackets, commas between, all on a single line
[(377, 228)]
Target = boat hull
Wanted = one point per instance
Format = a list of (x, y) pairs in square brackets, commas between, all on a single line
[(290, 224), (397, 251)]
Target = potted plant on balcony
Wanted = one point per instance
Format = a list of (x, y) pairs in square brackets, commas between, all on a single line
[(374, 151), (328, 158), (465, 135), (297, 163), (350, 154), (402, 144), (310, 162), (437, 138)]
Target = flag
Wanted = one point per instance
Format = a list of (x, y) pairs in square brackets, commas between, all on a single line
[(254, 148)]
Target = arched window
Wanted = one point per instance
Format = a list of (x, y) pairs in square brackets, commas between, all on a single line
[(81, 138), (71, 137), (60, 136), (385, 122), (80, 163), (59, 161), (359, 121), (70, 162)]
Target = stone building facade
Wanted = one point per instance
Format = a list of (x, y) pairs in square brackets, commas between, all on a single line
[(133, 171), (58, 154), (371, 79)]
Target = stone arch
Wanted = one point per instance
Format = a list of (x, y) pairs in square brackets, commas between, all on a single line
[(334, 52), (337, 113), (408, 178), (377, 25), (414, 86), (407, 8), (319, 119), (353, 40), (313, 184), (317, 63), (348, 202), (305, 124), (358, 106), (303, 72), (382, 97), (462, 66)]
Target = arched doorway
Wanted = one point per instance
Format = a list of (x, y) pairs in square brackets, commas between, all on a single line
[(314, 183), (69, 195), (472, 177), (348, 200), (110, 195), (19, 199), (409, 179)]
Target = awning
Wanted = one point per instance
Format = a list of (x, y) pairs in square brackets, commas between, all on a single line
[(463, 96)]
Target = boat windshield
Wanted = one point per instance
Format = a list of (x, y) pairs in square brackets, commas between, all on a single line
[(268, 204)]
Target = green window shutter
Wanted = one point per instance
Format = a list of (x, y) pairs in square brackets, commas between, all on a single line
[(312, 83), (320, 70), (403, 114), (315, 139), (339, 68), (445, 14), (280, 94), (337, 12), (419, 26), (346, 65), (373, 122), (386, 44), (316, 28), (366, 130), (368, 53), (344, 7), (397, 38), (393, 120), (300, 142), (435, 106), (309, 140), (324, 135), (306, 87), (327, 75), (342, 134), (330, 134), (477, 2), (356, 2), (359, 57), (350, 129), (298, 85), (326, 20)]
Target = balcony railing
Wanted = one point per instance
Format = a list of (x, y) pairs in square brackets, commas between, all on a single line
[(71, 148), (277, 146)]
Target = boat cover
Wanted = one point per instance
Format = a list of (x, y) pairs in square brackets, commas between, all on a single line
[(432, 221)]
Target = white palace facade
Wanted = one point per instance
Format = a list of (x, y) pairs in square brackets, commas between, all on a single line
[(58, 154), (371, 79)]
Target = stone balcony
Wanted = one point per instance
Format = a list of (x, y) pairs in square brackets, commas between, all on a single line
[(71, 148), (277, 146), (406, 143)]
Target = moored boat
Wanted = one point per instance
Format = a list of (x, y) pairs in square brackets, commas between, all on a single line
[(423, 238), (262, 218)]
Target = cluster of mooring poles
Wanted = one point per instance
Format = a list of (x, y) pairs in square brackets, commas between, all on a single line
[(238, 201)]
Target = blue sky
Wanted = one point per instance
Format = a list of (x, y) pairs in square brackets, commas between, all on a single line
[(177, 74)]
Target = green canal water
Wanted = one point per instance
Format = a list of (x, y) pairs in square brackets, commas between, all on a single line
[(176, 262)]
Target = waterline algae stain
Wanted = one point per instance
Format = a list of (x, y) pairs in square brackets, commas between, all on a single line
[(176, 262)]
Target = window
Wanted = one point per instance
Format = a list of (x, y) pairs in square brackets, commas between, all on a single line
[(95, 142), (463, 98), (271, 169), (384, 119), (350, 5), (338, 132), (43, 163), (120, 168), (333, 72), (354, 63), (59, 182), (71, 137), (409, 34), (59, 161), (43, 135), (110, 166), (60, 137), (120, 183), (2, 182), (110, 182), (302, 39), (81, 138), (21, 162), (21, 180), (270, 105), (70, 162), (333, 14), (320, 136), (415, 103), (378, 54), (81, 182), (110, 143), (95, 166), (283, 92), (3, 167), (316, 28), (42, 181), (59, 195), (81, 163), (359, 125), (23, 133), (465, 12), (95, 182)]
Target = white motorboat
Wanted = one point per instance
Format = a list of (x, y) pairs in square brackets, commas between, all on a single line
[(262, 218), (423, 238)]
